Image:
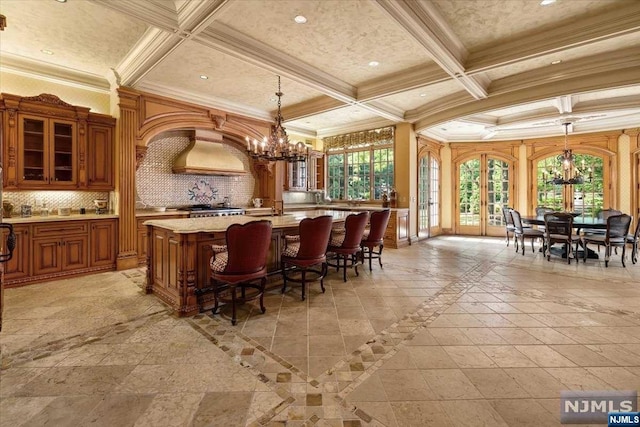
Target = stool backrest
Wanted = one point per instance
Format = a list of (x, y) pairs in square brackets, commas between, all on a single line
[(378, 225), (314, 236), (354, 227), (248, 246)]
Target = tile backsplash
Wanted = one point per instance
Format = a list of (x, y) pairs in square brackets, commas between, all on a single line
[(53, 199), (157, 185)]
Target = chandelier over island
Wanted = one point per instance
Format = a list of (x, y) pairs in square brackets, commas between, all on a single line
[(277, 146)]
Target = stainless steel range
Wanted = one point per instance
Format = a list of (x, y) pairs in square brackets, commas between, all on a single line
[(200, 211)]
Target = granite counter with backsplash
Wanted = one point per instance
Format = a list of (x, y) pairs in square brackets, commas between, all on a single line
[(57, 218)]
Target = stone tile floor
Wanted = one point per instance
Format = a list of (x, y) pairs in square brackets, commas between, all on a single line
[(449, 327)]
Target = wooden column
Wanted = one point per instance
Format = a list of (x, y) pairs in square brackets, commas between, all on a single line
[(126, 181)]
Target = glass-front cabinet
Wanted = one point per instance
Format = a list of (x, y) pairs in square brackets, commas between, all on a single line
[(47, 152)]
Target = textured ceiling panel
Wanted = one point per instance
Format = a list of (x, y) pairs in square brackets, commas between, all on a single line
[(335, 118), (340, 37), (82, 35), (482, 22), (229, 78), (597, 48), (418, 97), (607, 94)]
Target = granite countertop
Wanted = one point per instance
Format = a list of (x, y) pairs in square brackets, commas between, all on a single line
[(340, 206), (151, 212), (221, 223), (56, 218)]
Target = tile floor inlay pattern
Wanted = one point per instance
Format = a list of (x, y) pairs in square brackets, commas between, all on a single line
[(450, 322)]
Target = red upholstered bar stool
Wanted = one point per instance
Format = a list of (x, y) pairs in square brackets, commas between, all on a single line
[(347, 246), (240, 264), (373, 238), (305, 250)]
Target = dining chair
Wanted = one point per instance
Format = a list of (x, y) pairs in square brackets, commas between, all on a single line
[(374, 237), (240, 263), (615, 236), (508, 223), (559, 229), (540, 212), (633, 239), (346, 245), (305, 250), (523, 232)]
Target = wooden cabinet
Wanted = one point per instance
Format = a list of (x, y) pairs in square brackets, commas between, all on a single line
[(60, 247), (47, 152), (51, 145), (141, 232), (100, 157), (103, 242), (306, 175), (19, 265), (49, 250)]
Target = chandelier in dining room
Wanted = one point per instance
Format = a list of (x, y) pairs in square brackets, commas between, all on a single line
[(277, 145), (563, 175)]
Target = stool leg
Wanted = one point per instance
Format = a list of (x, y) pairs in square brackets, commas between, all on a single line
[(233, 306), (344, 274), (284, 278), (370, 256), (380, 254), (304, 282), (263, 283), (323, 272)]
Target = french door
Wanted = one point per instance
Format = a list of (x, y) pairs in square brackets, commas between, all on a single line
[(484, 186), (428, 196)]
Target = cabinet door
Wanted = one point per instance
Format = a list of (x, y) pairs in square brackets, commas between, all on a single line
[(100, 158), (18, 266), (33, 151), (103, 242), (63, 172), (46, 255), (75, 252)]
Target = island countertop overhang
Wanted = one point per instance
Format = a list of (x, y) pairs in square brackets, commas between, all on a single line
[(221, 223)]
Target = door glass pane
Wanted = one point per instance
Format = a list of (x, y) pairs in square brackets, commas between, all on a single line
[(434, 196), (63, 152), (335, 187), (549, 195), (588, 197), (358, 175), (469, 193), (33, 134), (423, 193), (497, 190)]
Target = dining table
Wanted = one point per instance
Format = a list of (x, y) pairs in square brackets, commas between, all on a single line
[(579, 223)]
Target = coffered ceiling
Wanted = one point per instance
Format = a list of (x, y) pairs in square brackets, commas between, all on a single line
[(457, 69)]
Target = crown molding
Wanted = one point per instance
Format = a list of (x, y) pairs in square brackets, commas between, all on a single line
[(194, 17), (599, 105), (481, 119), (20, 65), (412, 78), (445, 103), (423, 21), (307, 133), (247, 49), (384, 109), (569, 34), (205, 101)]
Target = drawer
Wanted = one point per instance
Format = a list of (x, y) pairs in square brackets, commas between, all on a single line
[(61, 228)]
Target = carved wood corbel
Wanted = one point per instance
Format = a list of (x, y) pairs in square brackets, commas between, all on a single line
[(219, 121), (141, 151)]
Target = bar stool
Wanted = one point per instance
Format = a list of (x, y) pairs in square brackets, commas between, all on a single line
[(307, 249), (347, 245), (374, 237), (239, 264)]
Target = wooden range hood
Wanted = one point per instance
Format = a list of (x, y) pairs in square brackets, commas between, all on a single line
[(207, 155)]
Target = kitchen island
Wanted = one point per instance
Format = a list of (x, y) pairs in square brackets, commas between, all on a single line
[(179, 250)]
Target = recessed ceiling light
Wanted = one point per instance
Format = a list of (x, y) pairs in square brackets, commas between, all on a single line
[(423, 95), (557, 61), (374, 64), (61, 1), (547, 2), (300, 19), (203, 77), (273, 99), (46, 52)]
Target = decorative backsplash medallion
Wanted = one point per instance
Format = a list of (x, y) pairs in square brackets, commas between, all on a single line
[(158, 186)]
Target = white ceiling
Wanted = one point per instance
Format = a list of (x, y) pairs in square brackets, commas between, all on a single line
[(457, 69)]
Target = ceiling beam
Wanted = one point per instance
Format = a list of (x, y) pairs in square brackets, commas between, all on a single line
[(422, 20), (569, 34), (169, 29), (391, 84)]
